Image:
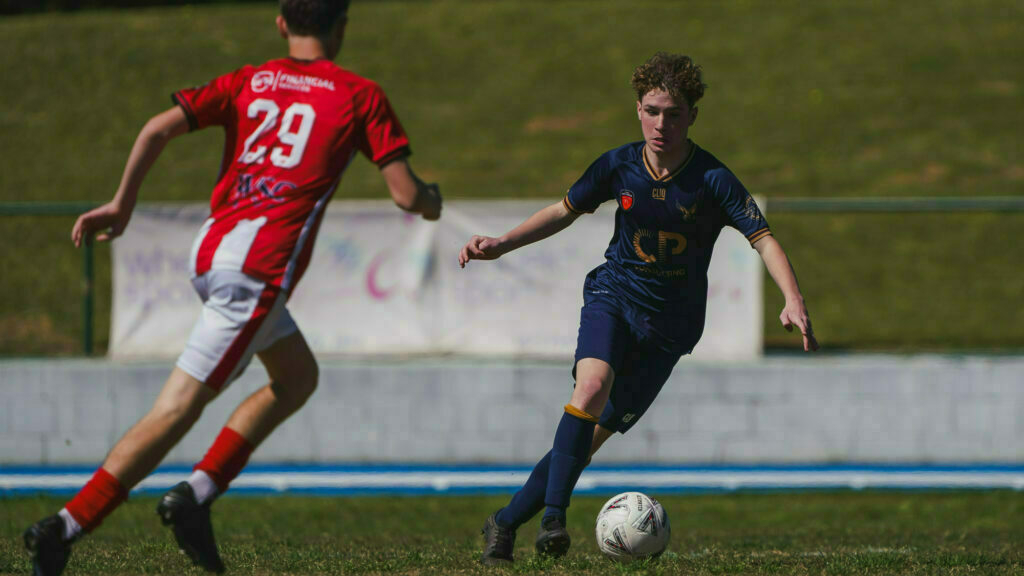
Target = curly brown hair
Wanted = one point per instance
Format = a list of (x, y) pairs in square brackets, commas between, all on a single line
[(313, 17), (673, 73)]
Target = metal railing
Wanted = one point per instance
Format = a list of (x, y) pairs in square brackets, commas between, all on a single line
[(908, 204), (773, 205), (88, 285)]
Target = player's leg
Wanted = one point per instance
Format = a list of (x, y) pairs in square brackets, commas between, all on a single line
[(241, 316), (571, 451), (293, 375), (569, 455), (529, 500), (602, 333), (145, 445), (136, 454), (575, 433), (601, 435)]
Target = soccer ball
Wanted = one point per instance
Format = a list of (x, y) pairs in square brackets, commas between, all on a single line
[(632, 526)]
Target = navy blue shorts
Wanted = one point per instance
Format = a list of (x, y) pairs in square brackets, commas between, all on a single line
[(629, 340)]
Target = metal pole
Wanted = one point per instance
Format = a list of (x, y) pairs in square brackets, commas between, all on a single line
[(88, 285)]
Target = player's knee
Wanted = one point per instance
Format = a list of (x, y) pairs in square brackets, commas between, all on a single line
[(310, 380), (588, 388), (299, 386)]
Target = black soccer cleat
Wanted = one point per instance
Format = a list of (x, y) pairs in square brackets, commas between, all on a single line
[(45, 541), (190, 522), (498, 542), (552, 539)]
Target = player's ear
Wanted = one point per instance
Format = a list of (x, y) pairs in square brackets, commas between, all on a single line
[(639, 109), (693, 115), (282, 27)]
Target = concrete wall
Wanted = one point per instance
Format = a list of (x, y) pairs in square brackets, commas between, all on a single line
[(788, 409)]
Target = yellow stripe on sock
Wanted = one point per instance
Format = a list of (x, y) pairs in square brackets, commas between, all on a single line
[(580, 413)]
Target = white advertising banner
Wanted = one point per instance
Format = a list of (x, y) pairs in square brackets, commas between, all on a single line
[(385, 283)]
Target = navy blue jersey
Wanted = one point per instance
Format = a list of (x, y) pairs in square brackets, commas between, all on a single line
[(665, 228)]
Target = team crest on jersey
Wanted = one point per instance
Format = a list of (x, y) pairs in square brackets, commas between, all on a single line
[(688, 213), (261, 81), (626, 199)]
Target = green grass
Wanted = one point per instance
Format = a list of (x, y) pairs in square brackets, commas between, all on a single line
[(874, 533), (514, 99)]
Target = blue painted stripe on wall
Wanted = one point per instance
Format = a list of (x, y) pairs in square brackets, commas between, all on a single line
[(417, 479)]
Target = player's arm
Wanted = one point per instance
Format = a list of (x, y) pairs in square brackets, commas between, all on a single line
[(794, 312), (545, 222), (409, 192), (110, 219)]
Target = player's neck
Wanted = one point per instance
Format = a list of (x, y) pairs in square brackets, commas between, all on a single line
[(306, 48), (664, 164)]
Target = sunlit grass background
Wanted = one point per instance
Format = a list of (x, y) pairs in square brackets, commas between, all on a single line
[(811, 533), (515, 99)]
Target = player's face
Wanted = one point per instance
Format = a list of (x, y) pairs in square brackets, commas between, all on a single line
[(664, 121)]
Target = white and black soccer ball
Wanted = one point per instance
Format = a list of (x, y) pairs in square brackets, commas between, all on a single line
[(632, 526)]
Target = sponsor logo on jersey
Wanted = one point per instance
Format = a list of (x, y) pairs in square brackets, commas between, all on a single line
[(628, 418), (261, 81), (626, 199), (303, 83), (256, 191), (658, 193), (668, 244), (266, 80)]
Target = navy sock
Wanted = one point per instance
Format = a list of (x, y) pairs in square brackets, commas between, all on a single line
[(530, 498), (573, 440)]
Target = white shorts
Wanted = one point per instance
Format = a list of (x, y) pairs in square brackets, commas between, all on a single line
[(241, 316)]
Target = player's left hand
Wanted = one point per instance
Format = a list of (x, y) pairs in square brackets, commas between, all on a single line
[(795, 314), (109, 221)]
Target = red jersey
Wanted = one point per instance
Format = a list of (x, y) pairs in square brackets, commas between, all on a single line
[(291, 128)]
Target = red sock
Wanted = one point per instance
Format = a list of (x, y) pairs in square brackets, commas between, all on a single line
[(226, 458), (96, 500)]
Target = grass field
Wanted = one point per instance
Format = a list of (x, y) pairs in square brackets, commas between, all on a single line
[(876, 533), (511, 99)]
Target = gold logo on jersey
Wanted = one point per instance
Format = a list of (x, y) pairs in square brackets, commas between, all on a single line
[(688, 213), (751, 210), (658, 193), (668, 243)]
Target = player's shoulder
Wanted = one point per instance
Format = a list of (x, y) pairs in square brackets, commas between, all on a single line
[(714, 170), (616, 157), (353, 81)]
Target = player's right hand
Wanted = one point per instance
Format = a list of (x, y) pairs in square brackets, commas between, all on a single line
[(480, 248), (104, 223), (432, 208)]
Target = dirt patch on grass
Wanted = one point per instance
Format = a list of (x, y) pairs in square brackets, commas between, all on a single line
[(567, 123), (998, 87), (36, 334), (928, 174), (1015, 173)]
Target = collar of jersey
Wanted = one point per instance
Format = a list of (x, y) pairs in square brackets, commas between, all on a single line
[(670, 175), (306, 61)]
